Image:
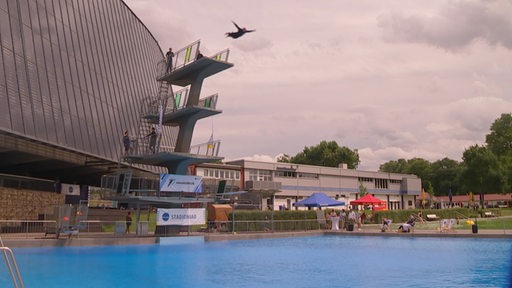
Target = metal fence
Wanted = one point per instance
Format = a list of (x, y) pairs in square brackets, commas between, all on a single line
[(50, 229), (263, 226), (98, 228)]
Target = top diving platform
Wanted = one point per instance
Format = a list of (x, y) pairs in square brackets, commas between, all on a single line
[(199, 69)]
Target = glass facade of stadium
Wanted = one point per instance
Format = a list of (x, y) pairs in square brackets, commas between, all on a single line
[(72, 78)]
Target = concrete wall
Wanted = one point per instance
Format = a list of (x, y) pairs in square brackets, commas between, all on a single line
[(16, 204)]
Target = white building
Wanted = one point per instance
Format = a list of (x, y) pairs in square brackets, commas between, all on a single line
[(279, 185)]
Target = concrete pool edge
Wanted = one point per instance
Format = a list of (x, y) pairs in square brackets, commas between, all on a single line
[(83, 240)]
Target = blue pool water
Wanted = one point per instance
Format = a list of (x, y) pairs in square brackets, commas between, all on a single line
[(323, 261)]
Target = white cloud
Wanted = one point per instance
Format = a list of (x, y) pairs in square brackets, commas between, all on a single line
[(454, 26), (392, 79)]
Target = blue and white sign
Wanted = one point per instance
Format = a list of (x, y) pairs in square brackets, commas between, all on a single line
[(180, 183), (183, 217)]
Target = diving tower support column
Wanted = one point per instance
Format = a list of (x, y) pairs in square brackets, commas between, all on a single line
[(185, 133), (193, 74)]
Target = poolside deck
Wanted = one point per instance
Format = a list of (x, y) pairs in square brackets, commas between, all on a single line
[(103, 239)]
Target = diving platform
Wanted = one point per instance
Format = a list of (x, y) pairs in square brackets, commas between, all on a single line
[(198, 69), (175, 162), (182, 115)]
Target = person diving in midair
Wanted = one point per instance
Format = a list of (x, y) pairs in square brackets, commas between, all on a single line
[(239, 33)]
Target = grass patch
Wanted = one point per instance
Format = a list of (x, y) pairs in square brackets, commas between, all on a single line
[(495, 223)]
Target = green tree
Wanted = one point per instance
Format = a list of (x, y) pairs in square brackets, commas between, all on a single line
[(421, 168), (482, 172), (416, 166), (499, 141), (327, 154), (285, 158), (445, 174), (506, 163), (362, 190), (398, 166)]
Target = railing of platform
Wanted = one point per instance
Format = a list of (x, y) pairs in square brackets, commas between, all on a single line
[(140, 146), (181, 58), (209, 102), (210, 148), (176, 102), (187, 55), (221, 56), (179, 100)]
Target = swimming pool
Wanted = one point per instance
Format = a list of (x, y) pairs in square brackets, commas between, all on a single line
[(320, 261)]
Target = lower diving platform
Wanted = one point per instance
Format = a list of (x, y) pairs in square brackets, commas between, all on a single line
[(182, 115), (175, 162)]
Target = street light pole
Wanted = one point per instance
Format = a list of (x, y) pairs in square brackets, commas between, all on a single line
[(234, 206)]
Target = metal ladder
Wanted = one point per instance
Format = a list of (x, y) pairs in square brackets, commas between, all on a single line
[(151, 107), (10, 262)]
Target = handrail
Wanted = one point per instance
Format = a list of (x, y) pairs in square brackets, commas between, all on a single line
[(10, 261), (181, 58)]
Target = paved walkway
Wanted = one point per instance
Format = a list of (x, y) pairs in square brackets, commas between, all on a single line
[(102, 239)]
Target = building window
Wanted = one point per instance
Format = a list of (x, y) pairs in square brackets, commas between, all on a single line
[(220, 174), (253, 175), (265, 175), (285, 174), (365, 179), (381, 183), (308, 175), (260, 175)]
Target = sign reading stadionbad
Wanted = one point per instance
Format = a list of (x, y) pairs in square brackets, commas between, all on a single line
[(180, 183), (183, 217)]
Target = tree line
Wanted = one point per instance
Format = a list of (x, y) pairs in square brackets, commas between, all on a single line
[(484, 168)]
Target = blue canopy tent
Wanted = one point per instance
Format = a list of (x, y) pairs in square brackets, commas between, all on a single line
[(318, 200)]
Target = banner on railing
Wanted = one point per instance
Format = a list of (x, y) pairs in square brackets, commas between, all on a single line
[(180, 183), (183, 217), (70, 189)]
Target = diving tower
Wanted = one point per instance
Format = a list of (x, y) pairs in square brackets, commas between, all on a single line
[(175, 114)]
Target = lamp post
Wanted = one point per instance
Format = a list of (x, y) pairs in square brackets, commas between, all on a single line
[(234, 206), (272, 216)]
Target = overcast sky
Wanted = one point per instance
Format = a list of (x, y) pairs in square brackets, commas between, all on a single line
[(393, 79)]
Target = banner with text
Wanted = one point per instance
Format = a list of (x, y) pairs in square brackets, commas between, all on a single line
[(183, 217), (180, 183)]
